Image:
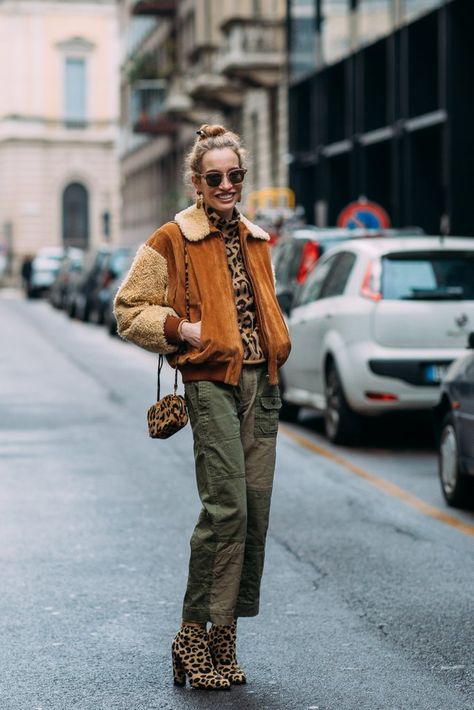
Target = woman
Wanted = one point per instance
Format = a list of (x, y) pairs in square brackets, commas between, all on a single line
[(228, 353)]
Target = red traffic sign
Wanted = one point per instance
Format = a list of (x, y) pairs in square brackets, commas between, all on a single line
[(363, 214)]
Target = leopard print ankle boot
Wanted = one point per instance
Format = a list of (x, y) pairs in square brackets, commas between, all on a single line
[(191, 657), (222, 641)]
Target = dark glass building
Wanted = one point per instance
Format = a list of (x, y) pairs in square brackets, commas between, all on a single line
[(382, 105)]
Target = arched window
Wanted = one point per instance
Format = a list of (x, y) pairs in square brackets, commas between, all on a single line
[(76, 216)]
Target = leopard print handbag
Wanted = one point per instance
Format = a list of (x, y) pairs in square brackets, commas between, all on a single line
[(169, 414)]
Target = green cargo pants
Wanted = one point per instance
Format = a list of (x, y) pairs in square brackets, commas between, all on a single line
[(234, 430)]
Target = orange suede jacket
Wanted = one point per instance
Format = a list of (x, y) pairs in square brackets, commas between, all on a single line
[(151, 302)]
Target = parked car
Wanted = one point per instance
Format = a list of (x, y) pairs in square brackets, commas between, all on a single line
[(44, 268), (376, 326), (70, 264), (86, 283), (111, 267), (297, 252), (454, 416), (81, 281)]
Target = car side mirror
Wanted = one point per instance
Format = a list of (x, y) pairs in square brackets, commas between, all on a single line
[(470, 341), (285, 299)]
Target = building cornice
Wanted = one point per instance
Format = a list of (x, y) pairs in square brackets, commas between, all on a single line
[(76, 45), (29, 129)]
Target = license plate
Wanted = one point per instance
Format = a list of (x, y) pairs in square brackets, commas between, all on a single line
[(435, 373)]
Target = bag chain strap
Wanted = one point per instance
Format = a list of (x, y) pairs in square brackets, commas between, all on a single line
[(183, 347)]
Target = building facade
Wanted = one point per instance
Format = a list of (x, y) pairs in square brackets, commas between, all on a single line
[(381, 105), (58, 123), (188, 62)]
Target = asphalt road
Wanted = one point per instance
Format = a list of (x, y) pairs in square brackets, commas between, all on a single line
[(367, 599)]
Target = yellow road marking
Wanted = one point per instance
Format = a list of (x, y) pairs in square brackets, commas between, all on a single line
[(386, 486)]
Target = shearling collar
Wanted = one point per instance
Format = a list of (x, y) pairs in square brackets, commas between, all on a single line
[(195, 225)]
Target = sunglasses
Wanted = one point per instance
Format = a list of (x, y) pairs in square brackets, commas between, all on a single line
[(215, 177)]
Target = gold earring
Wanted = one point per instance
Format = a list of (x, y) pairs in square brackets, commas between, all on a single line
[(199, 201)]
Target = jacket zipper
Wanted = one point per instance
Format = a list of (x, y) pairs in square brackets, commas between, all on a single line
[(255, 300), (221, 238)]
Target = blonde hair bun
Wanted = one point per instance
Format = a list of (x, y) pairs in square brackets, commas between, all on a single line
[(208, 130)]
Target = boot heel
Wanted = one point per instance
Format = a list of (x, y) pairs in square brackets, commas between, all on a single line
[(179, 676)]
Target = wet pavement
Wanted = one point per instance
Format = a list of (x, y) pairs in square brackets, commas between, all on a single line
[(366, 601)]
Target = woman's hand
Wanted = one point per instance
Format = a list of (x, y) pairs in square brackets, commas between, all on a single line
[(191, 333)]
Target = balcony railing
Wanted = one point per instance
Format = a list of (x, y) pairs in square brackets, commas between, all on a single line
[(158, 8), (206, 85), (254, 51), (147, 111)]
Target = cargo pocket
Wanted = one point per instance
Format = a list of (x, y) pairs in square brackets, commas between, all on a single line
[(266, 416)]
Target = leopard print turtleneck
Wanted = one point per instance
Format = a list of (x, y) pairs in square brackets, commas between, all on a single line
[(244, 301)]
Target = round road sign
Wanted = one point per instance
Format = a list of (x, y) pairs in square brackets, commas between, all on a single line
[(363, 214)]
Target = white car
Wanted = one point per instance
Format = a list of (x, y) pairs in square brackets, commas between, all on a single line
[(44, 268), (375, 327)]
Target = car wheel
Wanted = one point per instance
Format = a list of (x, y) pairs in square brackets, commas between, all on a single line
[(343, 426), (112, 326), (457, 487), (288, 412), (71, 309), (86, 313), (93, 316)]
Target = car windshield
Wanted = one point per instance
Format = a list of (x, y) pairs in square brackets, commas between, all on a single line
[(119, 261), (42, 263), (287, 261), (428, 276)]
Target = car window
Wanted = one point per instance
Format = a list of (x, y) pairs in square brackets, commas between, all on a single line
[(312, 288), (428, 276), (118, 260), (335, 281), (291, 260), (276, 254), (278, 257)]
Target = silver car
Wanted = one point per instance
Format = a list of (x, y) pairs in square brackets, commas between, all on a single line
[(375, 328)]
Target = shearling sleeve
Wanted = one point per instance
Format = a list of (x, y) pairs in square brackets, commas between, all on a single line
[(141, 307)]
